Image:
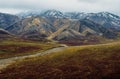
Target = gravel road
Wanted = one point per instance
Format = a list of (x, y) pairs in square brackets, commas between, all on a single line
[(6, 62)]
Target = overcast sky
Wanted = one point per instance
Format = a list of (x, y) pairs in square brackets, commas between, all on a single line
[(16, 6)]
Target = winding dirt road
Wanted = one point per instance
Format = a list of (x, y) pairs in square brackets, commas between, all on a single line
[(6, 62)]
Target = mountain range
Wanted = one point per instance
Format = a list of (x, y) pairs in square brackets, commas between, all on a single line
[(56, 25)]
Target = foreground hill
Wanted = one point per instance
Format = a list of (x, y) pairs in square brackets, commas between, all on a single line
[(18, 47), (79, 62)]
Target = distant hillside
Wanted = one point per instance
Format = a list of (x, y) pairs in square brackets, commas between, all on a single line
[(5, 34), (105, 19), (56, 25), (6, 20), (59, 29)]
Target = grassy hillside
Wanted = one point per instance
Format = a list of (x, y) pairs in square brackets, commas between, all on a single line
[(80, 62), (15, 47)]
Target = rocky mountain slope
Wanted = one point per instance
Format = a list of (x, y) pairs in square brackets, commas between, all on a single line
[(5, 34), (7, 20), (55, 25), (105, 19)]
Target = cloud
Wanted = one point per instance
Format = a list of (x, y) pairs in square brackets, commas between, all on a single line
[(63, 5), (89, 1)]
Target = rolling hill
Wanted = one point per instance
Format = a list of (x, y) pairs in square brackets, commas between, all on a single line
[(79, 62)]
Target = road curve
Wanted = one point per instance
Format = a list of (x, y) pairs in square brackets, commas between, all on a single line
[(6, 62)]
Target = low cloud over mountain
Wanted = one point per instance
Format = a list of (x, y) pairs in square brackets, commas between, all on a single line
[(16, 6)]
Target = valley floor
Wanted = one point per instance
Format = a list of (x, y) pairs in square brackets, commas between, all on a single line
[(8, 61), (100, 61), (19, 47)]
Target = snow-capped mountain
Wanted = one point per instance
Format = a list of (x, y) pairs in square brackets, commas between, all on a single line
[(47, 13), (105, 19), (29, 13), (71, 15), (53, 13), (53, 24)]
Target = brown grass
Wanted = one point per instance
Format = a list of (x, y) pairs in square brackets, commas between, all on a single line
[(11, 48), (91, 40), (84, 62)]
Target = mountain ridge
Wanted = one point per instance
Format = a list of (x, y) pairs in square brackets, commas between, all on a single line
[(55, 25)]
